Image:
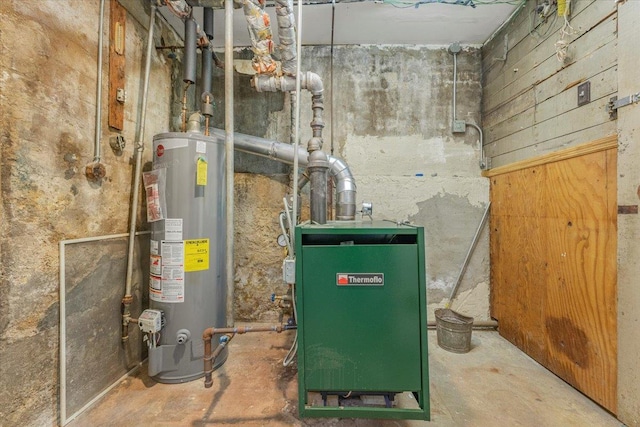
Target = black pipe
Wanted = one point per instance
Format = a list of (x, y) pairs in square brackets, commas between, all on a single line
[(190, 50), (208, 22)]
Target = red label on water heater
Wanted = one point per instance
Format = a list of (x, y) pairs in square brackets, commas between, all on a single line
[(160, 150)]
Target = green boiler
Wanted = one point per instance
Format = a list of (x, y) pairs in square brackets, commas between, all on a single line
[(362, 322)]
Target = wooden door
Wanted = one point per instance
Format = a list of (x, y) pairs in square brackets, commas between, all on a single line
[(553, 263)]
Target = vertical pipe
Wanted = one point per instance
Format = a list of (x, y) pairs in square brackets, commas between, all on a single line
[(96, 149), (467, 257), (455, 83), (62, 347), (190, 50), (208, 22), (228, 100), (297, 128), (139, 151), (207, 55)]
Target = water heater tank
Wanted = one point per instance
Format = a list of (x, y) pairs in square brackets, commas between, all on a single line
[(187, 252)]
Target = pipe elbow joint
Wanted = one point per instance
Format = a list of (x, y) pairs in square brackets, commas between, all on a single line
[(313, 83), (315, 144)]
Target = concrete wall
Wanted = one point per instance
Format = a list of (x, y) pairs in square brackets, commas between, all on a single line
[(391, 118), (48, 67)]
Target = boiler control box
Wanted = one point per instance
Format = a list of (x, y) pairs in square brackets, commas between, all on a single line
[(150, 321)]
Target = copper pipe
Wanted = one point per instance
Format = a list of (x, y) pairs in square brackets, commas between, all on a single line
[(206, 118), (127, 300), (184, 107), (207, 336)]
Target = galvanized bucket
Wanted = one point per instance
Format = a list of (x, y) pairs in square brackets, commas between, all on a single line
[(453, 330)]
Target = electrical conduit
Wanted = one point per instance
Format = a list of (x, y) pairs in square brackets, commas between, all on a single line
[(229, 144)]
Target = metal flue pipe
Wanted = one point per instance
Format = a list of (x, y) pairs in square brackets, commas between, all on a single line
[(338, 170)]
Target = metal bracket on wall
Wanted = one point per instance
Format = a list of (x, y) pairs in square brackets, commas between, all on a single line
[(615, 103)]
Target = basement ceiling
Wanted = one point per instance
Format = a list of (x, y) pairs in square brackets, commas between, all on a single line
[(433, 22)]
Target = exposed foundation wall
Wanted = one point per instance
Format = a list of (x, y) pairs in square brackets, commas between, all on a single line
[(392, 108), (48, 68)]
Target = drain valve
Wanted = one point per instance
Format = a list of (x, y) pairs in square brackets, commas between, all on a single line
[(183, 336)]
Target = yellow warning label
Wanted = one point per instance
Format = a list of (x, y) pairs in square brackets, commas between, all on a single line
[(201, 171), (196, 255)]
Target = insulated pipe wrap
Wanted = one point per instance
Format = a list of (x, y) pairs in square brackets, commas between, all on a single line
[(287, 36), (259, 25), (208, 22), (190, 50)]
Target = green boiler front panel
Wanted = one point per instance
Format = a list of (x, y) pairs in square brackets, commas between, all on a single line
[(361, 302)]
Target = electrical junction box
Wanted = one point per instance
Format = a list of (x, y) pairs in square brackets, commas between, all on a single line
[(459, 126), (150, 321), (362, 321), (289, 271)]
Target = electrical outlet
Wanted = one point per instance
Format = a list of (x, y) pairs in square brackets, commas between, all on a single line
[(584, 93), (459, 126)]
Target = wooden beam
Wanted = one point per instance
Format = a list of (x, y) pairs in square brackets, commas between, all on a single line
[(118, 19), (601, 144)]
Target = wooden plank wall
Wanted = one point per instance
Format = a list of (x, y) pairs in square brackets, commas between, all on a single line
[(530, 98), (553, 264)]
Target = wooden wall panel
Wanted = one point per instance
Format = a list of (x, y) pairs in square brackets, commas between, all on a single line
[(530, 99), (553, 266)]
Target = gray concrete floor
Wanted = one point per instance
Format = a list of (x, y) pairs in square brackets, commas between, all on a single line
[(495, 384)]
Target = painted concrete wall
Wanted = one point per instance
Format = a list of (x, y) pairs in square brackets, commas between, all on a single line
[(628, 225), (391, 118), (48, 67)]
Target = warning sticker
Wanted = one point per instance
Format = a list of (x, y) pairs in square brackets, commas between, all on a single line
[(155, 249), (196, 255), (155, 288), (155, 265), (173, 229), (173, 284), (172, 253)]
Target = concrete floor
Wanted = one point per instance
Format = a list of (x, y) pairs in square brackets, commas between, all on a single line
[(493, 385)]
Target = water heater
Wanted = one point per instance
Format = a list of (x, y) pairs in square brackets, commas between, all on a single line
[(186, 207)]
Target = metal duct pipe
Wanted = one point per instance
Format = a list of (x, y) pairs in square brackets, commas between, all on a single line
[(190, 50), (338, 169), (287, 36), (318, 167)]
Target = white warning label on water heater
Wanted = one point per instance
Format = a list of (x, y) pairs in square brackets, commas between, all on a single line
[(166, 283)]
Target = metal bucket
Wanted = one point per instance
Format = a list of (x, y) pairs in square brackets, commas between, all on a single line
[(453, 330)]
